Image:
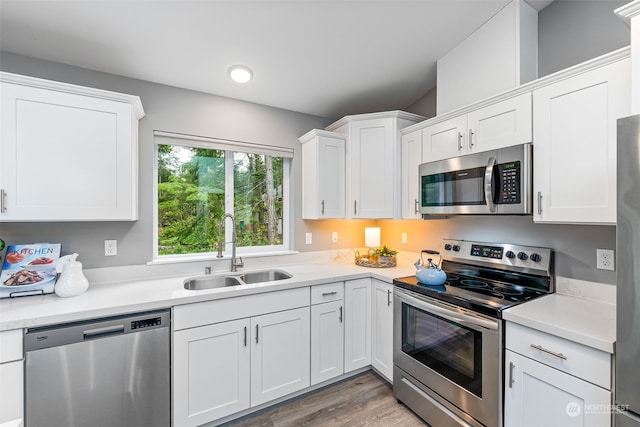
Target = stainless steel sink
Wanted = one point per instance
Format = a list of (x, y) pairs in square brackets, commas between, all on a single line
[(264, 276), (210, 282)]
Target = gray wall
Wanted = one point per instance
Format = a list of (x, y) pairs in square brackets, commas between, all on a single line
[(573, 31), (169, 109)]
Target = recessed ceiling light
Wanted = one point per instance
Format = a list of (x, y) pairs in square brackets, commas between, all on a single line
[(240, 73)]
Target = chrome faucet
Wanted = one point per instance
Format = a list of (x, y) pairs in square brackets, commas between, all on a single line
[(235, 261)]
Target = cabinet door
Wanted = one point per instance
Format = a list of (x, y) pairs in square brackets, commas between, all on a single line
[(444, 140), (357, 326), (11, 391), (411, 146), (280, 354), (538, 395), (331, 182), (372, 148), (327, 341), (66, 157), (211, 370), (382, 328), (500, 125), (574, 124)]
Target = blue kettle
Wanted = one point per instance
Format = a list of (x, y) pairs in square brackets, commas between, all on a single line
[(430, 274)]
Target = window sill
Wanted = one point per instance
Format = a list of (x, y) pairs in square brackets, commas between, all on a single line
[(177, 259)]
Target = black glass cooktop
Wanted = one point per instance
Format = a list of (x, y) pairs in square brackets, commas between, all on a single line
[(482, 290)]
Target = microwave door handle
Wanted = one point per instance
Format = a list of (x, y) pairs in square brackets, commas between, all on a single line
[(488, 184)]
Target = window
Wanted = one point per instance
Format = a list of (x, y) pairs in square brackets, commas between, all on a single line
[(201, 179)]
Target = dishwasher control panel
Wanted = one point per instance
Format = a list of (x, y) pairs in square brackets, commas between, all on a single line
[(145, 323)]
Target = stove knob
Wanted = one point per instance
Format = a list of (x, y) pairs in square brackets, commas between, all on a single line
[(510, 254), (535, 257), (522, 256), (456, 248), (447, 246)]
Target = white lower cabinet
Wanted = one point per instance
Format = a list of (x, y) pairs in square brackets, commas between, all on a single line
[(327, 341), (11, 377), (357, 326), (225, 367), (538, 395), (382, 328), (212, 372), (279, 354), (551, 381)]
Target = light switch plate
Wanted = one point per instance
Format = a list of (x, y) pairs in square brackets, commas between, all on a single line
[(308, 238)]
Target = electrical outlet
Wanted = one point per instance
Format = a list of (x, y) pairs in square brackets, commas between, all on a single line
[(404, 238), (308, 238), (110, 247), (605, 259), (334, 237)]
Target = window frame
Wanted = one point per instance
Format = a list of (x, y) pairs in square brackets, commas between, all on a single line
[(229, 147)]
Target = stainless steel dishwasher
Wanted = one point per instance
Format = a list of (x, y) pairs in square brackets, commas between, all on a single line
[(102, 373)]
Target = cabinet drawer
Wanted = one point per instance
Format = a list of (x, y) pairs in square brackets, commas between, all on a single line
[(576, 359), (222, 310), (10, 345), (327, 293)]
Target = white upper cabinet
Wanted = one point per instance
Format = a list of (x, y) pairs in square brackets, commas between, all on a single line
[(323, 174), (500, 124), (67, 153), (411, 150), (373, 162), (575, 145)]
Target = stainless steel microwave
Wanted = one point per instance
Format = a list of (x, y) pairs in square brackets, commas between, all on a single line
[(491, 182)]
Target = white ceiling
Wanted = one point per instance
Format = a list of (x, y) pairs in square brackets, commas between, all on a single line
[(327, 58)]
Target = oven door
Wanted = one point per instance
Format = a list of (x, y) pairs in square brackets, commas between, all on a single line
[(455, 353)]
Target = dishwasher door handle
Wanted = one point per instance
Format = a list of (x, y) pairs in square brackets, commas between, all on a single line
[(103, 332)]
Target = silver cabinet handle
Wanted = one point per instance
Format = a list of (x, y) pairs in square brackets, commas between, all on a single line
[(488, 183), (539, 202), (245, 336), (415, 206), (460, 136), (471, 138), (3, 194), (326, 294), (340, 318), (388, 297), (552, 353), (322, 207), (257, 329), (355, 207), (103, 332), (511, 381)]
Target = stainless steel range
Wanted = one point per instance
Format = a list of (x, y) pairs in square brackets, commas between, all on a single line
[(448, 340)]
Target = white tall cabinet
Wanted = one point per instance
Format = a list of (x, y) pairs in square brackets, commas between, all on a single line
[(67, 153), (575, 145), (382, 328), (323, 177), (373, 162)]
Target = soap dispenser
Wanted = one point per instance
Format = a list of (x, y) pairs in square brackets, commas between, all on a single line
[(72, 281)]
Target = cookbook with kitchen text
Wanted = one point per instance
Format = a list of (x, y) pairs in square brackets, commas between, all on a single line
[(29, 269)]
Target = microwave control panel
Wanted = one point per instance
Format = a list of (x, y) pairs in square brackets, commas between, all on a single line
[(509, 188)]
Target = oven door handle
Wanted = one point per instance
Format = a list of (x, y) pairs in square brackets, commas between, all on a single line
[(488, 184), (465, 319)]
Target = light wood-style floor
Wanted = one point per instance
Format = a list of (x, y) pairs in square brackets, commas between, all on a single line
[(365, 400)]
